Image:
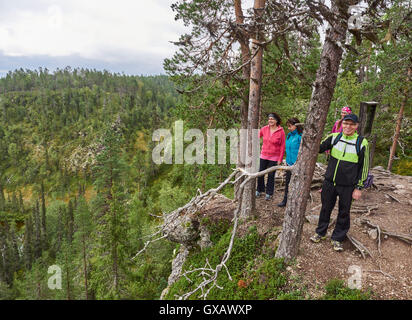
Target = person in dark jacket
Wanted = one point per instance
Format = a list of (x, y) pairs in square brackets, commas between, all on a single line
[(292, 148), (345, 175)]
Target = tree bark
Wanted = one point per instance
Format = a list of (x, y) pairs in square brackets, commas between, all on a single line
[(243, 40), (398, 124), (248, 199), (301, 179)]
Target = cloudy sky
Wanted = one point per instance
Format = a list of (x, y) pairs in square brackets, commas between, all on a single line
[(130, 36)]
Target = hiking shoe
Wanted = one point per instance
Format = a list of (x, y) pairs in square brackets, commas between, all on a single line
[(282, 204), (258, 194), (268, 197), (317, 238), (337, 245)]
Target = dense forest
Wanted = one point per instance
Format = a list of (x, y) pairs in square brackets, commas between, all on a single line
[(79, 189)]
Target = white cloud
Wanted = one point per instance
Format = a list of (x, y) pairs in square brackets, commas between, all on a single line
[(105, 30)]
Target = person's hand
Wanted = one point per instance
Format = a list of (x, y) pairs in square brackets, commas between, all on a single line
[(356, 194)]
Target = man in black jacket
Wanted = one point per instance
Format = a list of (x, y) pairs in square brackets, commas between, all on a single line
[(345, 175)]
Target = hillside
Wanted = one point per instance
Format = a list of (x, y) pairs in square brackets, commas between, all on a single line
[(386, 274)]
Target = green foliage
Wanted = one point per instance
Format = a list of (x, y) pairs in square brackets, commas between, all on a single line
[(403, 167), (151, 271), (216, 229), (336, 290), (51, 126), (254, 274)]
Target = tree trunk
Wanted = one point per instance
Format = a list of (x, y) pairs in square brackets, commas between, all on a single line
[(248, 199), (245, 57), (302, 174), (398, 124)]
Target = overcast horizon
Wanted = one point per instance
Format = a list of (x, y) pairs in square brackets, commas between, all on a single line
[(126, 36)]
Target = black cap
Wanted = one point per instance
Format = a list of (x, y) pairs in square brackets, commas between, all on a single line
[(351, 116)]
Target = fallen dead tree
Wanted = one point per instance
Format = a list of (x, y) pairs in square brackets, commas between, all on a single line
[(401, 236), (359, 246)]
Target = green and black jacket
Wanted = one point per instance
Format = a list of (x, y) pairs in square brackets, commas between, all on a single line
[(346, 167)]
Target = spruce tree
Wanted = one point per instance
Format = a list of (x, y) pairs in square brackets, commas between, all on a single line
[(60, 228), (14, 248), (111, 233), (28, 243), (83, 240), (21, 202), (5, 263), (2, 198), (14, 204), (37, 244), (70, 222), (44, 239)]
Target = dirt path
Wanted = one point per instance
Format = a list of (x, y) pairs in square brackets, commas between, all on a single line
[(388, 274)]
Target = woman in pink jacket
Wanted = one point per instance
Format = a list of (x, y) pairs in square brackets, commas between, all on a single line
[(273, 149), (337, 127)]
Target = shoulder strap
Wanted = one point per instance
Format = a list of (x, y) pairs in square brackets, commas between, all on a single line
[(359, 141), (336, 140), (358, 144)]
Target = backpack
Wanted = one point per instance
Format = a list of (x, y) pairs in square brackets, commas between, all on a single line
[(358, 143), (369, 180)]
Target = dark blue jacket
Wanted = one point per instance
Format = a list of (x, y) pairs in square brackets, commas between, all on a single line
[(292, 147)]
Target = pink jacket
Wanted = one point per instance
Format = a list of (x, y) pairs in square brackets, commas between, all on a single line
[(273, 147), (335, 127)]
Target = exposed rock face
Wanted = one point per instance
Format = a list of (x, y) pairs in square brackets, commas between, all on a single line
[(177, 265), (204, 241)]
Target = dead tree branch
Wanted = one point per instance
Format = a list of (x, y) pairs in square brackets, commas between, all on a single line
[(358, 245)]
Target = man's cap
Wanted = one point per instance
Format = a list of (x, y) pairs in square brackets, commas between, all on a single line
[(351, 116)]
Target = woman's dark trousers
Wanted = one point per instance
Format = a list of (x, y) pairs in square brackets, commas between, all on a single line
[(270, 184), (288, 176)]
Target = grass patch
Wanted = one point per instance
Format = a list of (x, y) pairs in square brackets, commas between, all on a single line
[(337, 290)]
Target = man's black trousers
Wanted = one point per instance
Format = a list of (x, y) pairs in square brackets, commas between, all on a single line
[(270, 184), (328, 196)]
